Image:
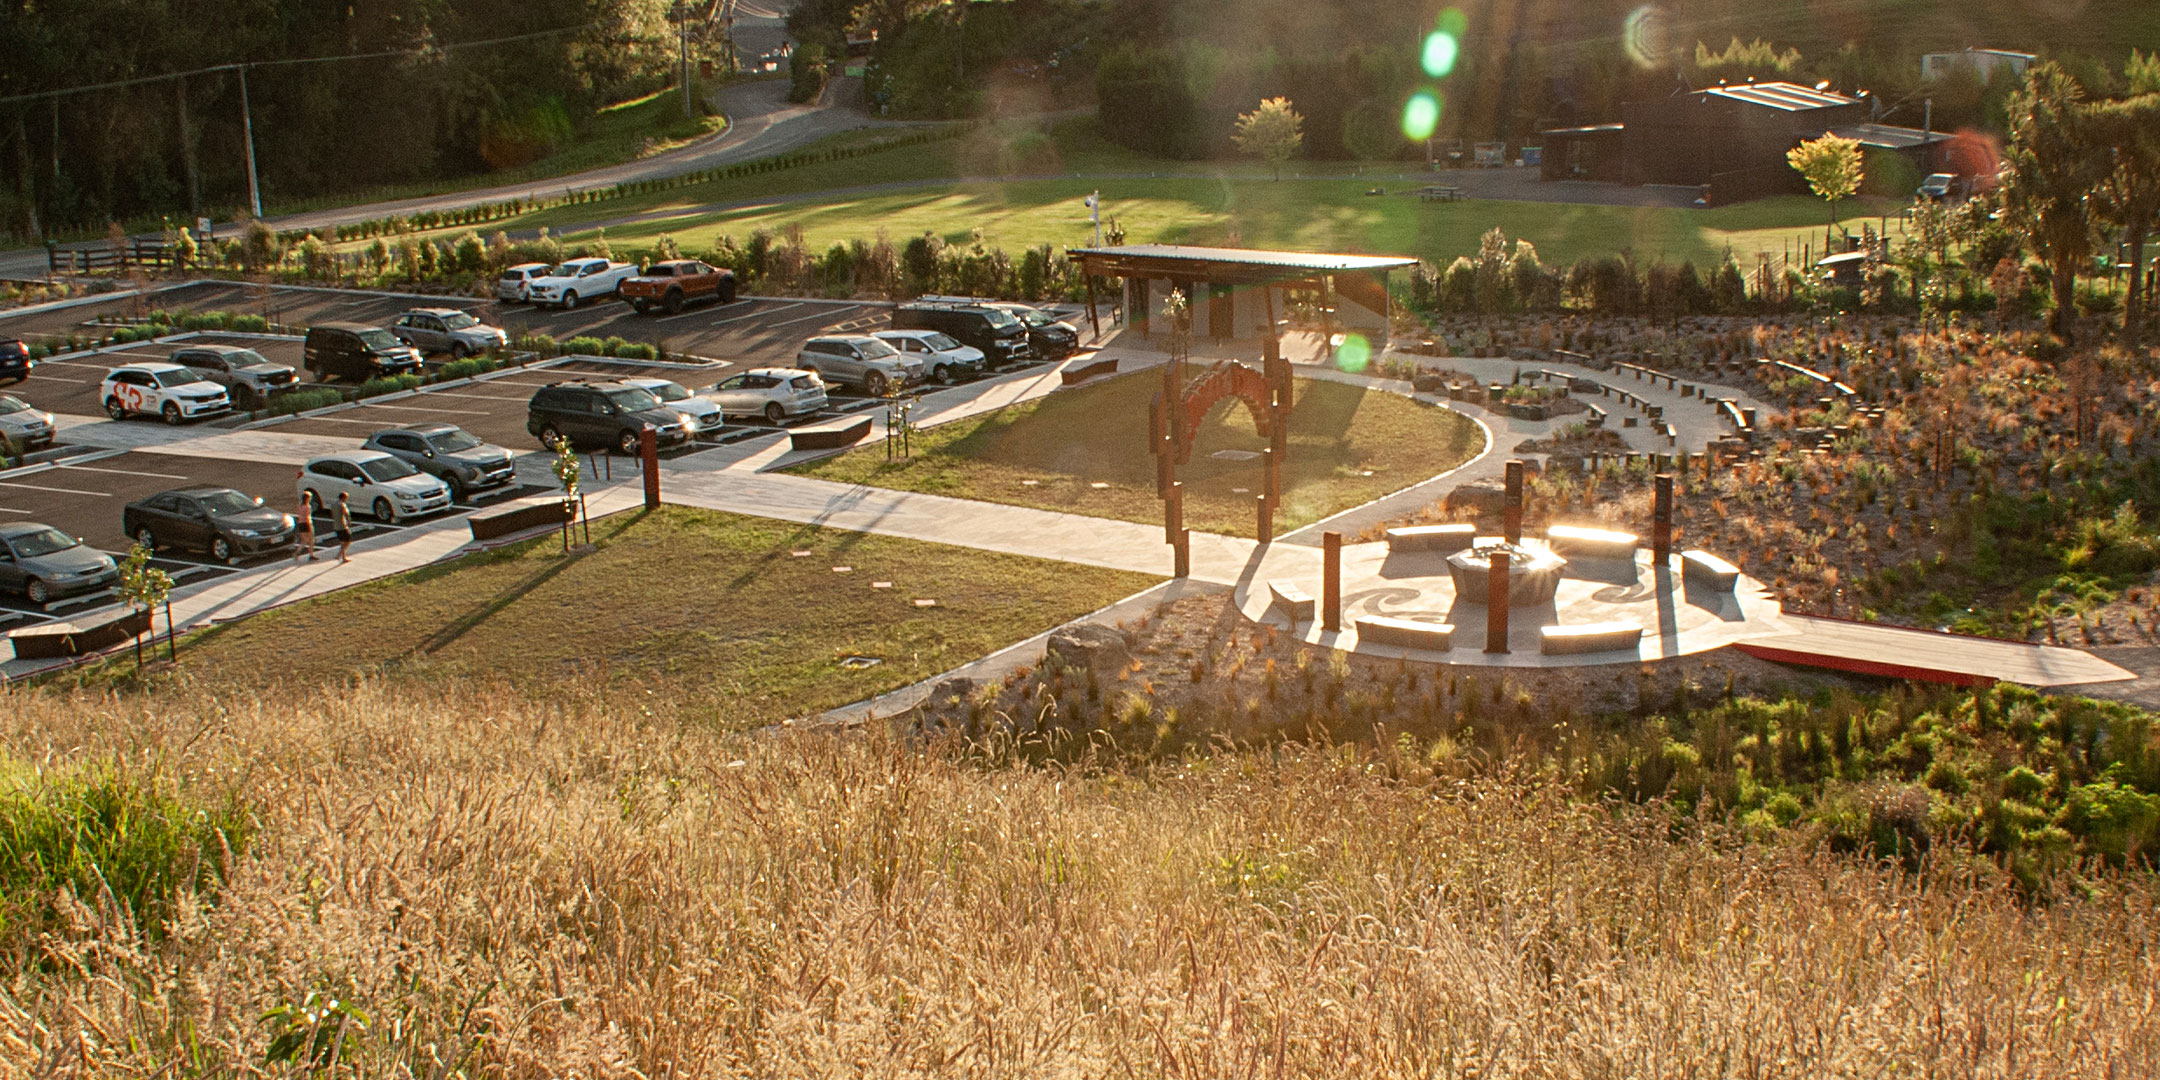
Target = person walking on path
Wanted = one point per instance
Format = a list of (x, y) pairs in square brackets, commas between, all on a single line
[(306, 520), (343, 520)]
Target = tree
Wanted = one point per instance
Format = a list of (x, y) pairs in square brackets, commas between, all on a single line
[(2131, 194), (1832, 167), (1270, 132), (2054, 169), (144, 587)]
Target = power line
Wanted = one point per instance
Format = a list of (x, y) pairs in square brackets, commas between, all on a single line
[(286, 62)]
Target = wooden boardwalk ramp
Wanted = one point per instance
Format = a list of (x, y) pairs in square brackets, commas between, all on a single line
[(1925, 655)]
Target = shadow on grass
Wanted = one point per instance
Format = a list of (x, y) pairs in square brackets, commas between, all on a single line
[(611, 527)]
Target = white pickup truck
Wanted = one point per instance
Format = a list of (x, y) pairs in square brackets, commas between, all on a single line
[(579, 280)]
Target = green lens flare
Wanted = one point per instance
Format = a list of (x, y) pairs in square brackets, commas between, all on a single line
[(1354, 353), (1440, 52), (1421, 116), (1453, 22)]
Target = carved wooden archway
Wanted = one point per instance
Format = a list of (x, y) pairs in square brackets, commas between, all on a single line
[(1178, 410)]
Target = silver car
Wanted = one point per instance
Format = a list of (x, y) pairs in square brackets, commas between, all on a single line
[(859, 360), (22, 428), (700, 417), (946, 358), (448, 330), (773, 393), (510, 287), (247, 376)]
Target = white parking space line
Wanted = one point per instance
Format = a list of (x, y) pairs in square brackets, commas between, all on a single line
[(74, 363), (423, 408), (755, 314), (476, 397), (807, 318), (58, 379), (124, 472), (341, 420), (12, 510), (716, 309), (59, 490)]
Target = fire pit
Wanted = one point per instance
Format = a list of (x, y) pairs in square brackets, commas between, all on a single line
[(1533, 573)]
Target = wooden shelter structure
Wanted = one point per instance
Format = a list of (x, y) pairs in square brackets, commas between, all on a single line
[(1233, 289)]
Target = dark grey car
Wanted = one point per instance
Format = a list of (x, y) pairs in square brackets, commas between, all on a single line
[(44, 564), (248, 377), (449, 453), (218, 521)]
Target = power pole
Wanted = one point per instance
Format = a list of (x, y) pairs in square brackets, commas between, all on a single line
[(681, 14), (247, 129)]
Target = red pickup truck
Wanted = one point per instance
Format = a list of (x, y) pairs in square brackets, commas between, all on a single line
[(676, 282)]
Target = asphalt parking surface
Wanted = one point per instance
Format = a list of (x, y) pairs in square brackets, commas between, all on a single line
[(84, 497)]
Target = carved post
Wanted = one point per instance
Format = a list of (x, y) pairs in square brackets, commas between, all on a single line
[(1267, 520), (1661, 524), (649, 453), (1496, 603), (1514, 502), (1331, 581)]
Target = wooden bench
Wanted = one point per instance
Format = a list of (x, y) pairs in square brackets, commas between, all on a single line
[(1440, 193), (1441, 538), (1590, 638), (1702, 568), (1406, 633), (1286, 597), (1585, 543), (491, 524), (1080, 373), (1596, 418), (829, 436)]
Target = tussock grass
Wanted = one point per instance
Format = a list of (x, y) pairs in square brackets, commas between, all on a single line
[(510, 887)]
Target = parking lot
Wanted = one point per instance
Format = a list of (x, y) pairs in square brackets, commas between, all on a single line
[(132, 459)]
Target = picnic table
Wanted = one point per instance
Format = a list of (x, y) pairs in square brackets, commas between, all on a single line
[(1440, 193)]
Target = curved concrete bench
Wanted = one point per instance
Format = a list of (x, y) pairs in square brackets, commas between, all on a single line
[(1590, 638), (1286, 597), (829, 436), (1709, 571), (1444, 538), (1585, 543), (1407, 633)]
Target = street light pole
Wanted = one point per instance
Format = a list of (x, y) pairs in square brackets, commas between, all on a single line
[(247, 128)]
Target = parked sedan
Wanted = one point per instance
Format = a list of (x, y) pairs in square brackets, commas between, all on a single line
[(773, 393), (449, 453), (23, 428), (942, 355), (378, 485), (15, 362), (700, 417), (217, 521), (44, 564), (439, 330)]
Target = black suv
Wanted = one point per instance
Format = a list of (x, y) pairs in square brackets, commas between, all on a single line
[(14, 360), (1001, 338), (601, 414), (343, 350)]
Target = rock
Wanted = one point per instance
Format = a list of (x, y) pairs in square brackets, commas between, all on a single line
[(1426, 382), (1089, 647), (956, 691), (1479, 498)]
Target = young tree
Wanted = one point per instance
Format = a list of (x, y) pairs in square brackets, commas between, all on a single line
[(145, 588), (1271, 132), (2054, 169), (1832, 167), (2131, 195)]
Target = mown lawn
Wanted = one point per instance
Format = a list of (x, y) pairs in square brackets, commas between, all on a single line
[(712, 614), (1348, 445)]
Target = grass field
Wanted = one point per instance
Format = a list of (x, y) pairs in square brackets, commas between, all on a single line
[(712, 609), (909, 190), (1348, 445)]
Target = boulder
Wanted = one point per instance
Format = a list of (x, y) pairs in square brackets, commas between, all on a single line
[(1478, 499), (1088, 646)]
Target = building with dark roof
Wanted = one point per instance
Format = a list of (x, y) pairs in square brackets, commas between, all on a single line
[(1731, 141)]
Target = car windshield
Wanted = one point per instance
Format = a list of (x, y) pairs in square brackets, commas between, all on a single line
[(450, 442), (245, 358), (41, 542), (220, 503), (386, 468), (460, 321), (874, 349), (940, 342), (170, 379), (669, 391), (1000, 319), (1035, 318), (378, 339), (10, 404), (633, 400)]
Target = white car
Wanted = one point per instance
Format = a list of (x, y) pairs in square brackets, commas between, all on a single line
[(510, 287), (168, 390), (579, 280), (773, 393), (700, 415), (379, 485), (942, 355), (23, 428)]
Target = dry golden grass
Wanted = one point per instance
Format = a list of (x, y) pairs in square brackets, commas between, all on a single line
[(515, 888)]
